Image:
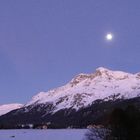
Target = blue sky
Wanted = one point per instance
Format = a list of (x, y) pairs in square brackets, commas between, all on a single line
[(44, 43)]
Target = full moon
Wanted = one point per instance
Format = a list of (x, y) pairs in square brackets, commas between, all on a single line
[(109, 36)]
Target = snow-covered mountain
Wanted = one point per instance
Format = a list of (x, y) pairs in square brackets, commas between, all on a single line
[(9, 107), (86, 99), (84, 89)]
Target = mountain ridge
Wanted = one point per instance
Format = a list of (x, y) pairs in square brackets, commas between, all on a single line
[(88, 85), (9, 107)]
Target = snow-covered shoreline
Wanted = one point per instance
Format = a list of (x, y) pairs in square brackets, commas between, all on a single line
[(49, 134)]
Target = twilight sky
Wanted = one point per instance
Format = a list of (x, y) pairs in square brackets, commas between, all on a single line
[(44, 43)]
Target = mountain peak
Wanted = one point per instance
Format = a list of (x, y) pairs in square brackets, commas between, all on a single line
[(77, 79), (102, 69), (82, 76), (113, 74)]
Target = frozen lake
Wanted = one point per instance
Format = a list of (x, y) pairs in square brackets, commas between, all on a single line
[(48, 134)]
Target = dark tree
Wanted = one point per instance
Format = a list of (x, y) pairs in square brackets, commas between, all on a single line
[(117, 124), (124, 124)]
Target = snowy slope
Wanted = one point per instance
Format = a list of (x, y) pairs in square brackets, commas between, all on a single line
[(9, 107), (84, 89)]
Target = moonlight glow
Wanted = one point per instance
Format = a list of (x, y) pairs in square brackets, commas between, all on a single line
[(109, 36)]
